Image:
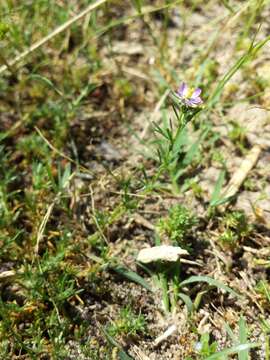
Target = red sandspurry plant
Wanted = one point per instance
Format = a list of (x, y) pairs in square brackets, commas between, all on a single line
[(172, 146)]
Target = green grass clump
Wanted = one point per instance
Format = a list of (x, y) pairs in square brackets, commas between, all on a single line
[(128, 323)]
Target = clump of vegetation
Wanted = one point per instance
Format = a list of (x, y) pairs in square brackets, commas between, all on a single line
[(205, 347), (178, 225), (128, 323), (263, 288), (234, 228)]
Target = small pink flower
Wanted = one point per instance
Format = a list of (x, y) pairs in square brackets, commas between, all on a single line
[(189, 97)]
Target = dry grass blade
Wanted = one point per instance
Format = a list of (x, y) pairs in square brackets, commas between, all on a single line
[(170, 331), (140, 220), (135, 72), (82, 168), (139, 353), (241, 174), (46, 218), (94, 216), (250, 292), (50, 36), (7, 274), (43, 225)]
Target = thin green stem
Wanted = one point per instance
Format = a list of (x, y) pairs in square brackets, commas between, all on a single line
[(174, 150), (164, 287), (176, 275)]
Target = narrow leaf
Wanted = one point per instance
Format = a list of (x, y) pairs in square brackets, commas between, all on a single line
[(230, 333), (131, 275), (231, 351), (122, 354), (212, 282), (222, 200), (187, 301), (243, 354), (217, 189), (46, 81), (252, 51)]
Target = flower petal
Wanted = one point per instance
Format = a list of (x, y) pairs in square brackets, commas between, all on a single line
[(189, 103), (182, 90), (196, 99), (196, 93), (193, 102)]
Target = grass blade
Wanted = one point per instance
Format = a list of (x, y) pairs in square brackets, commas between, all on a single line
[(222, 200), (122, 354), (231, 351), (217, 189), (230, 333), (252, 51), (131, 275), (243, 354), (47, 82), (186, 299), (212, 282)]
